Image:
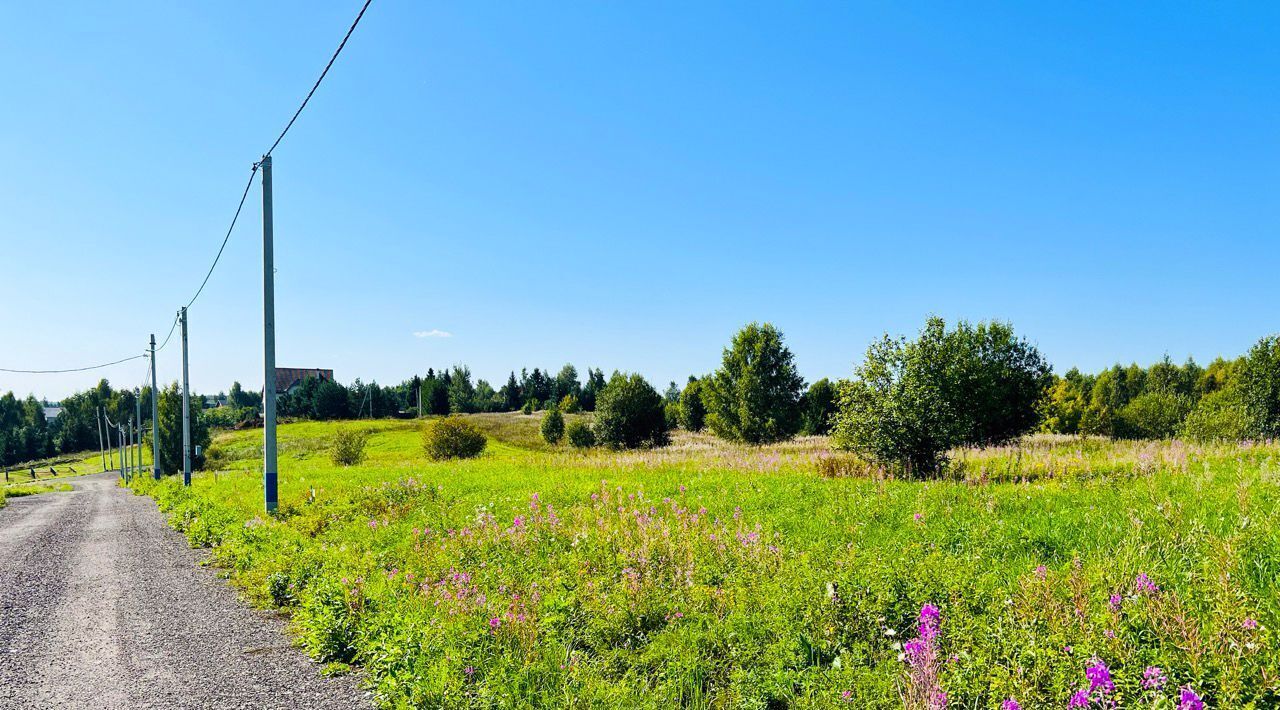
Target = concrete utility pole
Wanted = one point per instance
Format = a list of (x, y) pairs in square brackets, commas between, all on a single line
[(97, 411), (269, 471), (186, 404), (129, 461), (137, 399), (155, 416)]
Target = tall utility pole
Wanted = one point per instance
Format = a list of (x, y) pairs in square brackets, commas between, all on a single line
[(155, 416), (129, 461), (101, 449), (269, 471), (137, 467), (186, 403)]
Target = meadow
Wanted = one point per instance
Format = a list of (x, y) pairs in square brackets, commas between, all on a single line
[(708, 574)]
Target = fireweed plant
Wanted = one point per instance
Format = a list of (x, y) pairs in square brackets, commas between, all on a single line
[(1113, 575)]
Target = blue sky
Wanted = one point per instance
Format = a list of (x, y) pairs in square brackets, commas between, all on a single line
[(624, 185)]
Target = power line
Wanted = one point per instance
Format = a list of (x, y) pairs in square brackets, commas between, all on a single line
[(71, 369), (214, 265), (336, 52), (239, 208)]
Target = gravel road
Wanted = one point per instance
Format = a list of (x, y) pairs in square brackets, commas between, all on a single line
[(102, 605)]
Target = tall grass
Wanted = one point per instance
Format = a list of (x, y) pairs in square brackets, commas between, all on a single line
[(712, 575)]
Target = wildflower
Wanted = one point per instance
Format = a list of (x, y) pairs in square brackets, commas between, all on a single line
[(1153, 678), (847, 696), (1099, 677), (469, 670), (1010, 704), (495, 622), (1115, 602), (1109, 634), (919, 517), (1041, 571), (518, 522), (1079, 699), (1144, 584), (1250, 624), (1189, 700)]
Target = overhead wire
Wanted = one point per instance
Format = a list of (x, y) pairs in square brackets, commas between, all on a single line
[(239, 207)]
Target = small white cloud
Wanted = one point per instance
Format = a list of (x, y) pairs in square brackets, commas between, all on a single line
[(433, 333)]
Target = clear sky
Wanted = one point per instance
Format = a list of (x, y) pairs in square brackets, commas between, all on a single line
[(623, 185)]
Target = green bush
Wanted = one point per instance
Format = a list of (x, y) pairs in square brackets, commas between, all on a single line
[(1219, 416), (693, 412), (671, 413), (569, 404), (530, 406), (1259, 381), (913, 400), (1152, 415), (580, 435), (755, 395), (629, 414), (553, 426), (347, 447), (452, 437), (818, 407)]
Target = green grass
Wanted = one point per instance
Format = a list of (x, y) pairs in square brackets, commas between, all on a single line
[(713, 575), (30, 489)]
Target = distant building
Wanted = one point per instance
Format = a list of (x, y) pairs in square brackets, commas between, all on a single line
[(288, 378), (51, 412)]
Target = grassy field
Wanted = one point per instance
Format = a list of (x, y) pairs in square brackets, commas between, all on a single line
[(712, 575)]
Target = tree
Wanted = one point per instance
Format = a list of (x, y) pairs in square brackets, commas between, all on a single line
[(591, 390), (629, 414), (462, 395), (170, 426), (911, 401), (672, 393), (329, 401), (693, 413), (511, 396), (818, 407), (1259, 379), (486, 400), (566, 383), (1152, 415), (755, 395), (553, 426)]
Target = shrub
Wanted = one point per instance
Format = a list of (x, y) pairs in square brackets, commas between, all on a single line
[(530, 406), (629, 414), (671, 413), (755, 395), (913, 400), (693, 412), (553, 426), (580, 435), (818, 406), (347, 448), (452, 438), (1153, 415), (1219, 416), (569, 404)]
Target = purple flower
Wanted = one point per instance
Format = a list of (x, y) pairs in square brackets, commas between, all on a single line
[(469, 670), (1153, 678), (1041, 571), (495, 622), (1250, 624), (847, 696), (1115, 602), (1099, 677), (1188, 699), (1079, 699), (1144, 584), (1010, 704), (919, 517)]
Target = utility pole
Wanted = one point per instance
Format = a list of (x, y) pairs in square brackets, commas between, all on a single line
[(138, 428), (186, 404), (155, 416), (269, 471), (130, 462), (97, 411)]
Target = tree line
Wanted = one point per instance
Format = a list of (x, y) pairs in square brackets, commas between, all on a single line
[(907, 403)]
